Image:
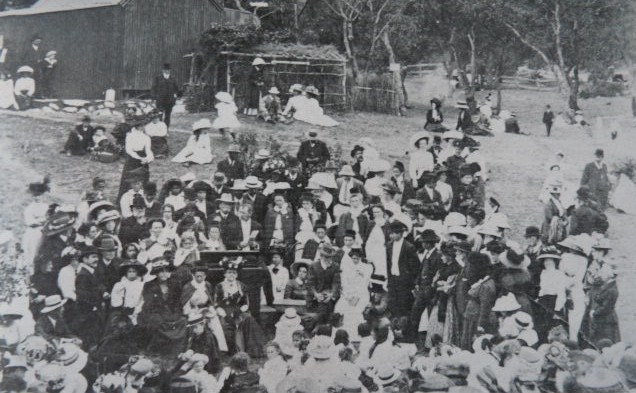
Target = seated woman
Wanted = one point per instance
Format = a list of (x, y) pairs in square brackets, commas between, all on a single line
[(237, 378), (295, 102), (198, 293), (270, 106), (434, 117), (230, 298), (311, 112), (126, 296), (296, 288), (157, 130), (161, 314), (198, 149), (101, 144)]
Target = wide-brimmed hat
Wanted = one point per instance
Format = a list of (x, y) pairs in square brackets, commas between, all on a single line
[(106, 243), (533, 231), (386, 374), (523, 320), (390, 187), (52, 302), (436, 101), (418, 136), (327, 250), (224, 97), (232, 263), (378, 166), (458, 230), (201, 185), (514, 259), (578, 243), (346, 170), (159, 264), (141, 269), (290, 314), (10, 312), (226, 198), (602, 244), (549, 252), (108, 215), (356, 149), (201, 124), (455, 219), (26, 69), (298, 264), (253, 182), (258, 61), (320, 347), (312, 90), (506, 303), (324, 179), (238, 185), (296, 87), (195, 318), (500, 220), (584, 193), (428, 235), (58, 223), (16, 361), (489, 230), (273, 90), (71, 357), (469, 169), (262, 154), (452, 135)]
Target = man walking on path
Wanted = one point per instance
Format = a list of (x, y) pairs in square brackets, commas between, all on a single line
[(165, 92), (548, 119)]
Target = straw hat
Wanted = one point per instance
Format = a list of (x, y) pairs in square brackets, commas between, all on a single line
[(506, 303), (455, 219), (224, 97), (346, 170), (26, 69), (58, 223), (461, 105), (274, 90), (387, 374), (226, 198), (10, 312), (258, 61), (378, 166), (324, 179), (418, 136), (312, 90), (549, 252), (458, 230), (320, 347), (500, 220), (253, 182), (201, 124), (327, 250), (71, 357), (160, 264), (602, 244), (296, 87), (52, 303), (490, 231), (262, 154)]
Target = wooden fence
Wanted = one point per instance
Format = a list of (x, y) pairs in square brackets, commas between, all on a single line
[(375, 93), (519, 82)]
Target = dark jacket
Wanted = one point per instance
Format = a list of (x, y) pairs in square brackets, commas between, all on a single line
[(584, 220), (132, 231), (423, 196), (235, 170), (90, 291), (51, 250), (604, 322), (322, 280), (288, 226), (548, 117), (400, 287), (259, 206), (45, 328), (232, 233), (164, 91), (345, 222), (109, 274), (597, 181), (316, 153)]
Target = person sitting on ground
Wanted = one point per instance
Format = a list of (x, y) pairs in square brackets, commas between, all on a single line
[(24, 88), (270, 110), (295, 102), (226, 109), (434, 117), (101, 144), (198, 149), (157, 130), (79, 139), (312, 113)]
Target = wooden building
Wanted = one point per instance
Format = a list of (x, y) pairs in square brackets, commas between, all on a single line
[(120, 44)]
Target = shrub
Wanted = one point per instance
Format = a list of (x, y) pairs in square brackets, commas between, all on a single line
[(199, 98), (626, 167)]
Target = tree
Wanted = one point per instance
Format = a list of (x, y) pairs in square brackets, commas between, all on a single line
[(348, 11), (567, 35)]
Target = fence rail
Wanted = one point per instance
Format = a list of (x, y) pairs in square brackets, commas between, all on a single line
[(519, 82)]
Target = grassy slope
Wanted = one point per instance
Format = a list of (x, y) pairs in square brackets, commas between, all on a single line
[(516, 162)]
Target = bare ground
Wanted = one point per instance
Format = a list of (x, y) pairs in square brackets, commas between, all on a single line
[(30, 148)]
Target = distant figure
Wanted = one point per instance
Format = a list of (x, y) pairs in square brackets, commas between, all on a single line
[(271, 107), (633, 106), (512, 125), (548, 119), (7, 99), (434, 117), (34, 53), (198, 149), (256, 84), (226, 109), (24, 87), (165, 92), (45, 71), (596, 179)]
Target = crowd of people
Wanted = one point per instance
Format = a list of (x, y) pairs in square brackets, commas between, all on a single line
[(302, 272)]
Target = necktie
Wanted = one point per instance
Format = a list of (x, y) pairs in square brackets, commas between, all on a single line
[(275, 270)]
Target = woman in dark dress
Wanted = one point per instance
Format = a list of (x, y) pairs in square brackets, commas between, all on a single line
[(478, 317), (138, 155), (515, 278), (43, 285), (239, 378), (434, 117), (256, 86), (161, 315), (296, 289), (242, 332)]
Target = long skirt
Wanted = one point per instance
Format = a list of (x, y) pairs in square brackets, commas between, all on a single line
[(31, 241), (442, 328), (244, 334), (131, 168)]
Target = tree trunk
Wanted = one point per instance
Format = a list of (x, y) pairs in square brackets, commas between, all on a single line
[(473, 62), (573, 94), (397, 75), (347, 35)]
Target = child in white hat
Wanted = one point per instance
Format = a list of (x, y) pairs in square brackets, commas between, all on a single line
[(226, 109)]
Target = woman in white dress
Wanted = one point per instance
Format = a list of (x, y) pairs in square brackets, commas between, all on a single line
[(421, 160), (7, 99), (355, 277), (226, 109), (311, 112), (138, 155), (34, 218), (198, 149), (297, 102), (375, 242)]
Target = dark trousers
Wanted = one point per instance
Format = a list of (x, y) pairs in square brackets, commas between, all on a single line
[(167, 111), (548, 128)]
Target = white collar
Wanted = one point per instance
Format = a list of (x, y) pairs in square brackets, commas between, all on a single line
[(90, 269)]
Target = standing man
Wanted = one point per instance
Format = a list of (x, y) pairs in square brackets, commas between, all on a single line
[(91, 295), (596, 179), (232, 166), (165, 92), (403, 269), (313, 153), (548, 119)]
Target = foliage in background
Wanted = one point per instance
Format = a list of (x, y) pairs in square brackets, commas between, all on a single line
[(220, 38), (13, 275), (199, 98), (626, 167)]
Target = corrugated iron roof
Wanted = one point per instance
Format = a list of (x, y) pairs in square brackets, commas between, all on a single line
[(49, 6)]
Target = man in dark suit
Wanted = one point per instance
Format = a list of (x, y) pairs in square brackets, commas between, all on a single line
[(109, 263), (165, 92), (403, 267), (255, 197), (58, 234), (91, 294), (595, 178), (402, 183), (135, 227), (202, 202), (548, 119), (228, 222), (323, 284), (424, 290), (232, 167), (310, 250), (247, 232), (351, 217), (357, 153), (219, 187), (313, 152), (428, 195)]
